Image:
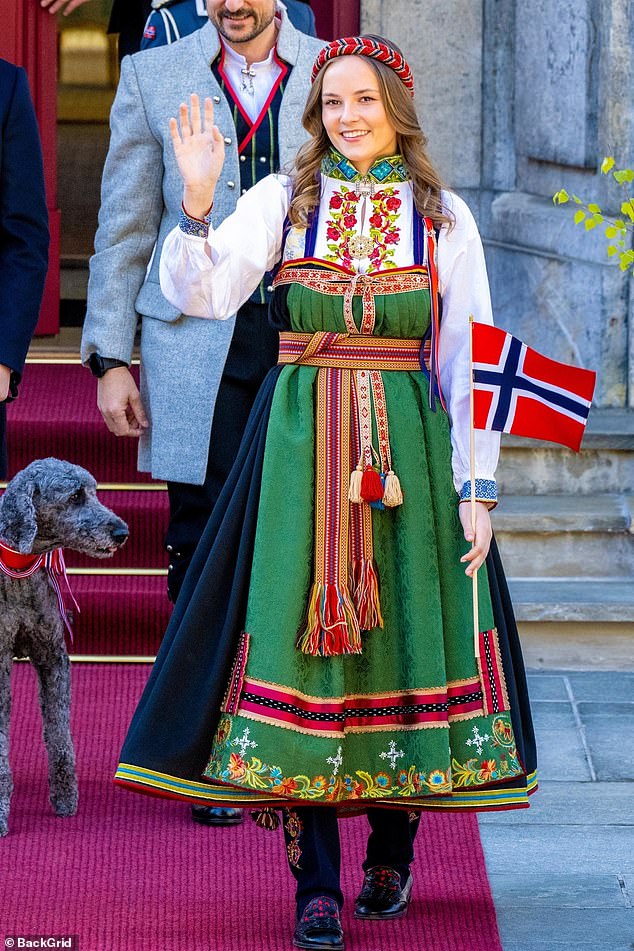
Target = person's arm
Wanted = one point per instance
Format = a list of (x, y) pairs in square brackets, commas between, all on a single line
[(5, 379), (464, 288), (67, 6), (208, 272), (24, 235), (158, 31), (129, 220)]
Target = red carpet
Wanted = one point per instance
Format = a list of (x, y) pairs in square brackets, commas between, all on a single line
[(128, 873), (57, 415), (120, 615)]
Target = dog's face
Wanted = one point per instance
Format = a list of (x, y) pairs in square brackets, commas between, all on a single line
[(55, 503)]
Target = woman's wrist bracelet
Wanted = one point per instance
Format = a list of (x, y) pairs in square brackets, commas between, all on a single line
[(199, 227)]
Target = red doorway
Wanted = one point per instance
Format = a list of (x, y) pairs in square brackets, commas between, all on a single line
[(336, 17), (28, 39)]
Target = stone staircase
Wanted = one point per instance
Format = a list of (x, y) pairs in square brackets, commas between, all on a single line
[(565, 526)]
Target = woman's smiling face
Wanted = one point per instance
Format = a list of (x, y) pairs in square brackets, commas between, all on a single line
[(353, 113)]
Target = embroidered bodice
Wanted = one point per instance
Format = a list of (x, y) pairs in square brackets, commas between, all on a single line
[(366, 215)]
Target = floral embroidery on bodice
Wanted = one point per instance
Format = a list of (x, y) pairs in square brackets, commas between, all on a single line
[(346, 222), (363, 227), (364, 220)]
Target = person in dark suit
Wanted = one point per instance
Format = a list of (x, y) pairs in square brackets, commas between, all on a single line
[(24, 234)]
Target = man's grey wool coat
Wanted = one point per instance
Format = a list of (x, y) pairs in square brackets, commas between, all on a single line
[(182, 358)]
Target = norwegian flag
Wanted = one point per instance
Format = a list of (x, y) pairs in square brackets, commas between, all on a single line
[(517, 390)]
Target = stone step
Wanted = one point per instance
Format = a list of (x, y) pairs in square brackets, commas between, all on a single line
[(568, 600), (565, 535), (605, 463)]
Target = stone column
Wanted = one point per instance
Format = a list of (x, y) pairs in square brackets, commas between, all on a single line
[(567, 71), (442, 40)]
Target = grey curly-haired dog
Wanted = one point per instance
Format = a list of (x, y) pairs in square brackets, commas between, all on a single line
[(50, 504)]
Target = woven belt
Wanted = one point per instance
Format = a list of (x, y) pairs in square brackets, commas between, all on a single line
[(324, 349)]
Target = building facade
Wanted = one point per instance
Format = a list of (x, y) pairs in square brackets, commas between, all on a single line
[(518, 100)]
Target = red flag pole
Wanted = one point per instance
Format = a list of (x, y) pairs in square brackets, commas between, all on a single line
[(476, 622)]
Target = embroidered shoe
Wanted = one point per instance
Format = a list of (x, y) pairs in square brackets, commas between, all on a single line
[(383, 895), (319, 926)]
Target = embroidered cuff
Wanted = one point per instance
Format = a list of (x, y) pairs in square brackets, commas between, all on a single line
[(486, 490), (199, 227)]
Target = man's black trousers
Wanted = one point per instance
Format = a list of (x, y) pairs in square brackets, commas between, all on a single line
[(253, 351)]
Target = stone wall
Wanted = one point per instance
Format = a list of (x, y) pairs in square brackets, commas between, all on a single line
[(519, 100)]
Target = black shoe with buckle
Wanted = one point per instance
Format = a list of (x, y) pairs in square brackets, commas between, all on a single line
[(319, 926), (383, 895), (216, 816)]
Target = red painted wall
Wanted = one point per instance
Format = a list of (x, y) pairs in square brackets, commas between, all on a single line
[(29, 38), (336, 17)]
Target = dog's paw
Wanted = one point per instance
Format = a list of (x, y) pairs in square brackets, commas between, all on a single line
[(65, 805)]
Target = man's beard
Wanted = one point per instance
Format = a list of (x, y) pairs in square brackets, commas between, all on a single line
[(261, 20)]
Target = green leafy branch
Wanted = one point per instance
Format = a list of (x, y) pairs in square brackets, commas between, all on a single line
[(616, 230)]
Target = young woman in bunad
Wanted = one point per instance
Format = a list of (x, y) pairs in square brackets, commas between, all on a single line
[(321, 657)]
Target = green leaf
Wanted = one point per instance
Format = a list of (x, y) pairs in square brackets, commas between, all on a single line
[(579, 216), (611, 231), (627, 260), (612, 250), (624, 175), (577, 200), (598, 219), (594, 209), (620, 224), (590, 224), (627, 208), (607, 164), (561, 197)]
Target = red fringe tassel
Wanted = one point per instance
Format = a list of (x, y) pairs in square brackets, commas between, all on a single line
[(332, 627)]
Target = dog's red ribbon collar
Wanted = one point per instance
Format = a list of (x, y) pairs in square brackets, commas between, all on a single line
[(16, 565)]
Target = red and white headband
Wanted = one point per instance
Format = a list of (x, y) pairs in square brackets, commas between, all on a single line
[(366, 46)]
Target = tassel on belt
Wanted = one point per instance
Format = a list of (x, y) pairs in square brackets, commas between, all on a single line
[(344, 598)]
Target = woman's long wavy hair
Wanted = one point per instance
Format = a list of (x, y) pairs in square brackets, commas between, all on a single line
[(410, 143)]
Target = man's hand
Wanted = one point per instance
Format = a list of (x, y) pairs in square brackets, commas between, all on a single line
[(66, 5), (483, 533), (120, 404), (5, 379)]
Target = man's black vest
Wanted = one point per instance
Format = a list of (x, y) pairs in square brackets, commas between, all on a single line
[(257, 142)]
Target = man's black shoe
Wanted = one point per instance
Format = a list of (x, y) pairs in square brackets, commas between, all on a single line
[(319, 926), (216, 816), (382, 895)]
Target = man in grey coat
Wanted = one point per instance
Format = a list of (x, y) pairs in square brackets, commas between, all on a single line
[(198, 377)]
